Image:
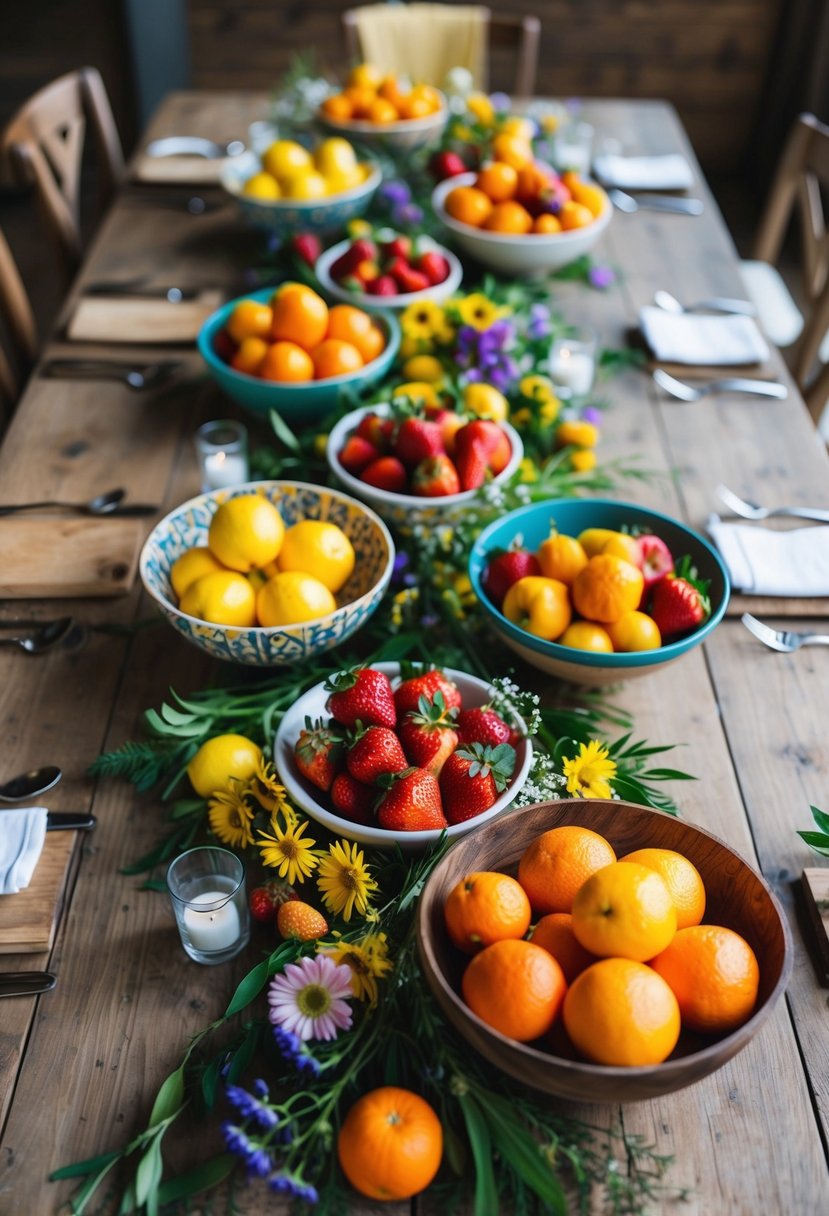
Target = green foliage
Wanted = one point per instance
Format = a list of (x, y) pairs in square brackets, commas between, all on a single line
[(819, 841)]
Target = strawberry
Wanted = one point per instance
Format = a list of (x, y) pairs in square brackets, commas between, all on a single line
[(472, 463), (299, 920), (434, 265), (265, 901), (473, 777), (484, 725), (407, 695), (224, 346), (680, 601), (353, 800), (417, 439), (505, 569), (375, 751), (395, 245), (360, 250), (376, 430), (406, 277), (361, 695), (318, 753), (357, 453), (446, 164), (493, 439), (427, 734), (308, 246), (387, 473), (435, 478), (383, 285), (411, 803)]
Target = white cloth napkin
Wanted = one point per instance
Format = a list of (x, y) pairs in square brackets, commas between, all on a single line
[(669, 172), (702, 340), (22, 833), (765, 562)]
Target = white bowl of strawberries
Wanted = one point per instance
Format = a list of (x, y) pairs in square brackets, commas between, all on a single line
[(389, 758), (420, 469), (390, 269)]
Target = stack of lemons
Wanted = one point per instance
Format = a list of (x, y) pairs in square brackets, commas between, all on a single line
[(255, 571), (291, 171)]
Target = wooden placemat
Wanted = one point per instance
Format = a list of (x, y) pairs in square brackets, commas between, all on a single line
[(28, 919), (56, 557), (121, 319), (178, 170)]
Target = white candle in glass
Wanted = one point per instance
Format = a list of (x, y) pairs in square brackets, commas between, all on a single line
[(572, 368), (224, 469), (212, 928)]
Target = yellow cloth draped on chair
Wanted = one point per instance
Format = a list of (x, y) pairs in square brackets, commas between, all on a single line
[(424, 41)]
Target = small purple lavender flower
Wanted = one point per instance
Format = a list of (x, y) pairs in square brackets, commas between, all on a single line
[(591, 414), (254, 1156), (401, 563), (500, 102), (408, 216), (429, 620), (601, 277), (395, 193), (260, 1088), (273, 243), (473, 376), (291, 1049), (251, 1107), (286, 1184), (499, 336), (539, 326)]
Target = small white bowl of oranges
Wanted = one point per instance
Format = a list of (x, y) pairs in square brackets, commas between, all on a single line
[(268, 573), (292, 188), (385, 111)]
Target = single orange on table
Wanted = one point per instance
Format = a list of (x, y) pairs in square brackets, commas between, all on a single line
[(508, 217), (250, 319), (607, 588), (620, 1012), (516, 988), (498, 181), (713, 973), (286, 363), (556, 864), (333, 357), (390, 1144), (682, 878), (554, 933), (468, 205), (299, 315), (624, 910), (486, 907)]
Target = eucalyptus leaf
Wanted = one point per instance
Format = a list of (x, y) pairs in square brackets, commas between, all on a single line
[(169, 1099), (148, 1174), (820, 818), (248, 989), (283, 432), (818, 841), (79, 1169)]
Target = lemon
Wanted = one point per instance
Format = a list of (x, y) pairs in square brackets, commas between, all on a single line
[(193, 564), (484, 401), (420, 392), (425, 368), (223, 598), (320, 549), (262, 185), (285, 158), (306, 186), (340, 181), (246, 531), (221, 760), (335, 156), (292, 597)]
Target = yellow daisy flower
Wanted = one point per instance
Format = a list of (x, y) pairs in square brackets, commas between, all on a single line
[(581, 434), (539, 388), (590, 772), (368, 960), (528, 470), (478, 310), (584, 460), (230, 817), (422, 321), (288, 851), (269, 793), (344, 880)]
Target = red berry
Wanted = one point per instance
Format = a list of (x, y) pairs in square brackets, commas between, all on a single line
[(434, 265), (353, 800), (435, 478), (375, 751), (383, 285), (307, 246), (386, 473), (356, 453), (417, 439), (505, 569), (362, 695)]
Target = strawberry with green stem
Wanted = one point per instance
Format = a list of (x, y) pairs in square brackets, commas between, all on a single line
[(680, 602), (372, 752), (362, 695), (411, 802), (319, 753), (472, 779), (428, 735)]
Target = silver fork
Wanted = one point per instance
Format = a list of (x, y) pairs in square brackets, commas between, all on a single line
[(784, 640), (731, 384), (752, 510)]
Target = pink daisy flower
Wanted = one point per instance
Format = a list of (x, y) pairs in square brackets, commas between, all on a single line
[(310, 998)]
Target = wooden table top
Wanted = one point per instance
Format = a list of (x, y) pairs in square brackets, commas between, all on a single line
[(80, 1065)]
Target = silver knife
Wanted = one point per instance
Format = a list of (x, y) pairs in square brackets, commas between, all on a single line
[(655, 202), (26, 983), (69, 821)]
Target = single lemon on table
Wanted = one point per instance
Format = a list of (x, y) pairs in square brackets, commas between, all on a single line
[(220, 760), (291, 597), (192, 565), (335, 155), (263, 186), (246, 531), (285, 158), (223, 598), (318, 548)]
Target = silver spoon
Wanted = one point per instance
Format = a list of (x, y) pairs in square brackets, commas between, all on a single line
[(654, 202), (42, 639), (753, 510), (29, 785), (729, 384), (101, 504), (669, 303)]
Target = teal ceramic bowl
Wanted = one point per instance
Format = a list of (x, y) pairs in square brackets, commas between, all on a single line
[(570, 517), (296, 403)]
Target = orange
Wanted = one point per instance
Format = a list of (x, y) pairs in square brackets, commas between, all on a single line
[(546, 225), (512, 149), (624, 910), (714, 975), (682, 878), (286, 362), (593, 540), (415, 106), (509, 217), (299, 315), (390, 89), (250, 319), (589, 196), (390, 1144), (333, 357), (554, 933), (622, 1013), (373, 344), (635, 631), (532, 179), (361, 99), (498, 181), (561, 557), (468, 205), (429, 94), (555, 865), (337, 107), (516, 988), (366, 76), (348, 323), (248, 358), (607, 588), (539, 605), (623, 545), (574, 215), (382, 111), (486, 907), (587, 635)]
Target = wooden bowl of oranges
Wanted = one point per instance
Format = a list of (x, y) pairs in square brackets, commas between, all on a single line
[(602, 951), (385, 111)]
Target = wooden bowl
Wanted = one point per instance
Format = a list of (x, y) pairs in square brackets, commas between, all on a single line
[(736, 897)]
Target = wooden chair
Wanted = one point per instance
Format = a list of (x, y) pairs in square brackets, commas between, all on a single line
[(467, 33), (44, 145), (20, 331)]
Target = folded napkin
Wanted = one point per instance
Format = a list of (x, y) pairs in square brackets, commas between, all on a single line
[(670, 172), (765, 562), (22, 833), (178, 170), (702, 340), (125, 319)]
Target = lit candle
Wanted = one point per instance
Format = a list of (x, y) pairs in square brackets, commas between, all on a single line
[(572, 367), (222, 449), (212, 928), (224, 469)]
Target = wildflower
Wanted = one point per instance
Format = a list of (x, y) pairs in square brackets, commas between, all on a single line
[(368, 960), (527, 470), (481, 108), (477, 310), (583, 460), (580, 434), (251, 1107), (459, 82), (320, 445), (423, 321), (590, 772), (600, 277), (396, 193), (591, 414), (344, 880), (290, 1184), (500, 102), (548, 412), (408, 216), (287, 850), (269, 793), (539, 325), (311, 998), (293, 1053), (537, 388), (231, 817), (254, 1156)]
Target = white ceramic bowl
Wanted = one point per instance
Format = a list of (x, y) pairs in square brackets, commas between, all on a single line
[(408, 509), (474, 692), (401, 136), (533, 254), (363, 299)]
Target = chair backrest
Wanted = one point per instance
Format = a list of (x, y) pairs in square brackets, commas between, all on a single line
[(44, 144), (426, 40), (19, 327)]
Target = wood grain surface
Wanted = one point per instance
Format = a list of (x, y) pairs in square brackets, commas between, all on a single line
[(121, 319), (58, 556), (29, 918)]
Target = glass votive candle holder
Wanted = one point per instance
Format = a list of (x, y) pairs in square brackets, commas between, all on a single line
[(573, 147), (573, 362), (207, 891), (222, 451)]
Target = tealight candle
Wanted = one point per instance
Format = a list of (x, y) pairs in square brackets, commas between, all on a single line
[(222, 449), (573, 363), (212, 924), (207, 891)]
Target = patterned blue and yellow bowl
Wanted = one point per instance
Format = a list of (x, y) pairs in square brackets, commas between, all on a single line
[(273, 646)]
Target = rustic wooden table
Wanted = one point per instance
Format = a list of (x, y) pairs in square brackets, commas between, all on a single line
[(79, 1065)]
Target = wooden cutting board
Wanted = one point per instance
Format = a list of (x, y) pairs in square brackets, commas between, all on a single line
[(62, 557), (29, 919), (178, 170), (123, 319)]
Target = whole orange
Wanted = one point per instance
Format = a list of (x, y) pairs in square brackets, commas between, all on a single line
[(351, 324), (372, 344), (249, 356), (622, 1013), (714, 975), (299, 315), (512, 149), (390, 1144), (624, 910), (250, 319), (554, 933), (555, 865), (682, 878), (635, 631), (382, 111), (287, 363), (575, 215), (546, 225), (607, 588), (516, 988), (468, 205), (333, 357), (498, 181), (338, 107), (508, 217), (587, 635), (486, 907), (561, 557)]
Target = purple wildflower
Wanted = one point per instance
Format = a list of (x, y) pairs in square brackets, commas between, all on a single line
[(409, 215), (539, 326), (500, 102), (260, 1088), (600, 277), (591, 414), (251, 1107), (254, 1156), (273, 243), (291, 1049), (286, 1184), (500, 336), (474, 376), (499, 378), (395, 193), (401, 563), (429, 620)]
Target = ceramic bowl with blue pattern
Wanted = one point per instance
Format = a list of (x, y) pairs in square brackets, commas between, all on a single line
[(273, 646)]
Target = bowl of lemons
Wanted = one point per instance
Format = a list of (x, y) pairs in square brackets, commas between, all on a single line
[(270, 573), (292, 188)]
